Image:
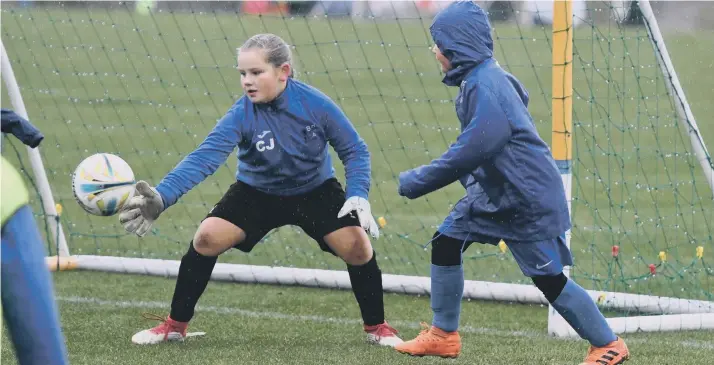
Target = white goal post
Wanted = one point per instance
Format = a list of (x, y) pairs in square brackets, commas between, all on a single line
[(659, 313), (675, 317), (38, 168)]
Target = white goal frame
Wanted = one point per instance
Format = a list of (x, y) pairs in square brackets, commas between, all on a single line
[(667, 314)]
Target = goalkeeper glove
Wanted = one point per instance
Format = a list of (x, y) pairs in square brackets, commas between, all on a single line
[(142, 210), (364, 214)]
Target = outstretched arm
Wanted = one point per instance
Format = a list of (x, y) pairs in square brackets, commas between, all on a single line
[(485, 136), (140, 212), (21, 128), (203, 161)]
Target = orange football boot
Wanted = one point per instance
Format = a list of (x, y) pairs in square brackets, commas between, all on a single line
[(432, 341), (613, 353)]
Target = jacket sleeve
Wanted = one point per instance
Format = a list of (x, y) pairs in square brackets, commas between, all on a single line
[(350, 148), (21, 128), (204, 160), (486, 135)]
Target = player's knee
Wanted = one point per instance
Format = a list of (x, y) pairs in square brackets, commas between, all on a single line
[(351, 244), (205, 242), (446, 251), (360, 252), (214, 236), (550, 286)]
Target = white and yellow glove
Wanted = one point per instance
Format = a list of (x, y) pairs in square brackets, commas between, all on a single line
[(364, 214), (140, 212)]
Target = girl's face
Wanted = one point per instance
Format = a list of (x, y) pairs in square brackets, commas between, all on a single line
[(445, 64), (261, 81)]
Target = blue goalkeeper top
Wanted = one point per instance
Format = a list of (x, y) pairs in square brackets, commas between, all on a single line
[(513, 187), (282, 147)]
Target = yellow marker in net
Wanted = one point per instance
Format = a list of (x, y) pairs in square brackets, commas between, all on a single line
[(382, 222), (502, 246), (58, 208), (700, 252), (601, 299), (662, 256)]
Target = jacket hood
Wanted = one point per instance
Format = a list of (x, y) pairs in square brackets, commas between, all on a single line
[(462, 32)]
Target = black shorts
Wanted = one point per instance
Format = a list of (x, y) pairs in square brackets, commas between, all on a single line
[(257, 213)]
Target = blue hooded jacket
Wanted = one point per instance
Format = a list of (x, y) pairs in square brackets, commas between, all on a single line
[(282, 147), (513, 188)]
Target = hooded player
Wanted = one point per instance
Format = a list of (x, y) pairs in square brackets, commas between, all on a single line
[(513, 188)]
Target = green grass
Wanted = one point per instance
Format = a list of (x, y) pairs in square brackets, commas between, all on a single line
[(258, 324), (149, 88)]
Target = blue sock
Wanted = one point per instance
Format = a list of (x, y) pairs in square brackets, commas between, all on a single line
[(447, 289), (580, 311)]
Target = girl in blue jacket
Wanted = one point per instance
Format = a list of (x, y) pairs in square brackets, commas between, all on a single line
[(513, 188), (285, 176)]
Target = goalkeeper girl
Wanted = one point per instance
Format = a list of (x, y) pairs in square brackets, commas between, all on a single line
[(285, 176), (513, 189)]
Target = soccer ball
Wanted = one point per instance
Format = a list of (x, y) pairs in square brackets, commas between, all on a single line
[(103, 183)]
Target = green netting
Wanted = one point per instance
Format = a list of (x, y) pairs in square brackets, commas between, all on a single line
[(149, 87)]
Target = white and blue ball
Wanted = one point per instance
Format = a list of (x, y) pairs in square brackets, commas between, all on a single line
[(103, 183)]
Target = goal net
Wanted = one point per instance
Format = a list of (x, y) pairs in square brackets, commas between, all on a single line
[(148, 80)]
